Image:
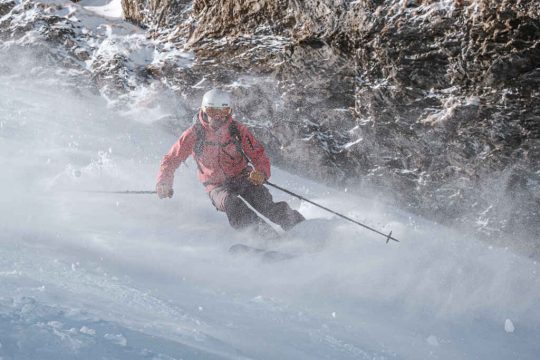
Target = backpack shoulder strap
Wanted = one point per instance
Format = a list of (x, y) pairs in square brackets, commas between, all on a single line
[(237, 139), (234, 132), (199, 131)]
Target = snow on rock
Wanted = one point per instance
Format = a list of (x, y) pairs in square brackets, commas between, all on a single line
[(109, 9)]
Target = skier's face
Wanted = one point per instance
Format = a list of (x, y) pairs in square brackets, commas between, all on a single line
[(217, 116)]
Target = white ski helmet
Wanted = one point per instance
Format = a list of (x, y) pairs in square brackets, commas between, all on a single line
[(216, 99)]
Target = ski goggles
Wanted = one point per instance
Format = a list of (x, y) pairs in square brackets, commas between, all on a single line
[(217, 112)]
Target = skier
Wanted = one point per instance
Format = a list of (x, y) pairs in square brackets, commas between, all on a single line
[(223, 149)]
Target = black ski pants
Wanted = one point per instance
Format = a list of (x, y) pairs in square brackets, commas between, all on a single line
[(226, 198)]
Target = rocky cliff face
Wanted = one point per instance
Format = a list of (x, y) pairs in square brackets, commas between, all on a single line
[(451, 91), (435, 103)]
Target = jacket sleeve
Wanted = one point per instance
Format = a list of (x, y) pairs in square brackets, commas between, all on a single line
[(178, 153), (254, 150)]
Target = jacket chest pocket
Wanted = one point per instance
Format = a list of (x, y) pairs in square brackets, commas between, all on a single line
[(210, 155), (220, 155)]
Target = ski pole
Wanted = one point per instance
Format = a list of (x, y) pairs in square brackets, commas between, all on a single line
[(127, 192), (388, 237)]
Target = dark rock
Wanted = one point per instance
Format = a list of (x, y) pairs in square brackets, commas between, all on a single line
[(6, 6)]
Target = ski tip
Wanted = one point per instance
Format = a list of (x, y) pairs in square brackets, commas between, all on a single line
[(263, 254)]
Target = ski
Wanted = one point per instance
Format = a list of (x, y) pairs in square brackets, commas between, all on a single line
[(264, 254)]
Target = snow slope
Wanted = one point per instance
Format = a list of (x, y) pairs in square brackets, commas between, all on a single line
[(101, 276), (128, 276)]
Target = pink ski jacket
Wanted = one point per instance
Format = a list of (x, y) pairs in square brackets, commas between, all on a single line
[(219, 159)]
